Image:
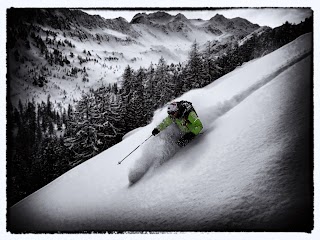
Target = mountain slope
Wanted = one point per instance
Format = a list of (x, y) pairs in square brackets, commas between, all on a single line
[(49, 48), (249, 171)]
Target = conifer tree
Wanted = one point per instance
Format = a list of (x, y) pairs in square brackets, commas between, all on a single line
[(177, 81), (195, 69), (210, 70), (85, 142), (137, 101), (164, 86), (126, 97), (149, 91)]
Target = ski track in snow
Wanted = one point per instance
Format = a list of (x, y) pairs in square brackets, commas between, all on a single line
[(165, 142), (226, 106), (245, 173)]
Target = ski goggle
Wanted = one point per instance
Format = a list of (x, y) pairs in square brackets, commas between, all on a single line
[(172, 108)]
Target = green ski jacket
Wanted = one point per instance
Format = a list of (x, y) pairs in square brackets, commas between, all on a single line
[(192, 124)]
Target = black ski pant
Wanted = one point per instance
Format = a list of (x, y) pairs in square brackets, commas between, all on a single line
[(185, 139)]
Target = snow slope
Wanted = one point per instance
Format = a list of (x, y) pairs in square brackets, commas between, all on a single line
[(250, 170)]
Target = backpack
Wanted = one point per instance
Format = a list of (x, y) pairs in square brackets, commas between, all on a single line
[(185, 108)]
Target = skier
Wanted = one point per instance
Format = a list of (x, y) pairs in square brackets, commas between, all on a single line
[(183, 114)]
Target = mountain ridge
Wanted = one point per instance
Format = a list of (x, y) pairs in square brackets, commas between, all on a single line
[(35, 34)]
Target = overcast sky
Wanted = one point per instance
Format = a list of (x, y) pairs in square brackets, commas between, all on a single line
[(272, 17)]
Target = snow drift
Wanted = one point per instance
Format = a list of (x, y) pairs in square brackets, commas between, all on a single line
[(251, 170)]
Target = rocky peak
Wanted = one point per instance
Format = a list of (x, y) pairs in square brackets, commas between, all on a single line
[(140, 18), (159, 15), (121, 19), (241, 22), (180, 17), (218, 18)]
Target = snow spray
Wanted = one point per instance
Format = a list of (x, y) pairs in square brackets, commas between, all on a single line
[(155, 152)]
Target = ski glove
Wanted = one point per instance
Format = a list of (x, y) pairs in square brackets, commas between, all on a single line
[(155, 131)]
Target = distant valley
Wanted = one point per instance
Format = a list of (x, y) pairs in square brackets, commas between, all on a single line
[(65, 52)]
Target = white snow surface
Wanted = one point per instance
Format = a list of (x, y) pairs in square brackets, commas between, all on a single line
[(248, 171)]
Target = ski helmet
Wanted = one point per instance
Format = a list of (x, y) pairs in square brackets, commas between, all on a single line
[(172, 108)]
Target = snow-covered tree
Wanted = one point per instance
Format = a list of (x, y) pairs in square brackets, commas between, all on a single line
[(210, 69), (85, 142), (138, 100), (196, 74), (149, 91), (164, 87), (126, 95), (107, 117)]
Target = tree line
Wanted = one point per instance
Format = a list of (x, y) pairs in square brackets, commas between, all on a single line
[(36, 153)]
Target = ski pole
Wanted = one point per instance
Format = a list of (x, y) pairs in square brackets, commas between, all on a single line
[(134, 150)]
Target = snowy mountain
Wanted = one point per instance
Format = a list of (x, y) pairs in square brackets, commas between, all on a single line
[(250, 170), (65, 52), (237, 26)]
